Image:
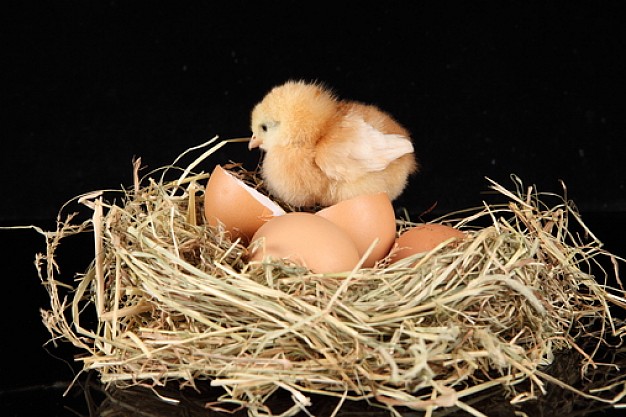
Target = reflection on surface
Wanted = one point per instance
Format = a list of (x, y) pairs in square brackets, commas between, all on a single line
[(140, 401)]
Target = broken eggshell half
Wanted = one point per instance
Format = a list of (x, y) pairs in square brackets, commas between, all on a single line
[(241, 209)]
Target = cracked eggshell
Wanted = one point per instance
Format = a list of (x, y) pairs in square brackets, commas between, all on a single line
[(239, 207), (423, 238), (305, 239), (366, 218)]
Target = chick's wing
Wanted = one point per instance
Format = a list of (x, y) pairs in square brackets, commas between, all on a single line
[(356, 148)]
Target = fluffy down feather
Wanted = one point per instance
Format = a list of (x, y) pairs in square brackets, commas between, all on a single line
[(320, 150)]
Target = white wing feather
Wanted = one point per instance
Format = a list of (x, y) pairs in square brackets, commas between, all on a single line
[(368, 150)]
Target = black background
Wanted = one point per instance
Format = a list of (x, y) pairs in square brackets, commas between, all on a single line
[(486, 89)]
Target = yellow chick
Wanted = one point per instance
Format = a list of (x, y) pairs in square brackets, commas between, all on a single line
[(320, 150)]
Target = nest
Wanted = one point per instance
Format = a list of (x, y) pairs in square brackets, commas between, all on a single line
[(169, 298)]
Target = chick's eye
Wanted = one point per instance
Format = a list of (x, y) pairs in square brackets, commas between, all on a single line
[(264, 127)]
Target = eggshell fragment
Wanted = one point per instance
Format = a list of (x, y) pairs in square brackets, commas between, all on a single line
[(239, 207), (307, 240), (366, 218), (423, 238)]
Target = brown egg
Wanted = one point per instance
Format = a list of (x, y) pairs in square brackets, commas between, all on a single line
[(423, 238), (239, 207), (366, 218), (307, 240)]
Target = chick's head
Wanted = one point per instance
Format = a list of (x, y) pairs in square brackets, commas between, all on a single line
[(292, 114)]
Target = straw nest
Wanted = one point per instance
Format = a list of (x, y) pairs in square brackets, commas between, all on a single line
[(168, 298)]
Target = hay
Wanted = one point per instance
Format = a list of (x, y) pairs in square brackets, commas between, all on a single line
[(167, 298)]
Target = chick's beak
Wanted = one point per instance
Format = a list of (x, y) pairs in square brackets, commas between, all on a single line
[(255, 142)]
